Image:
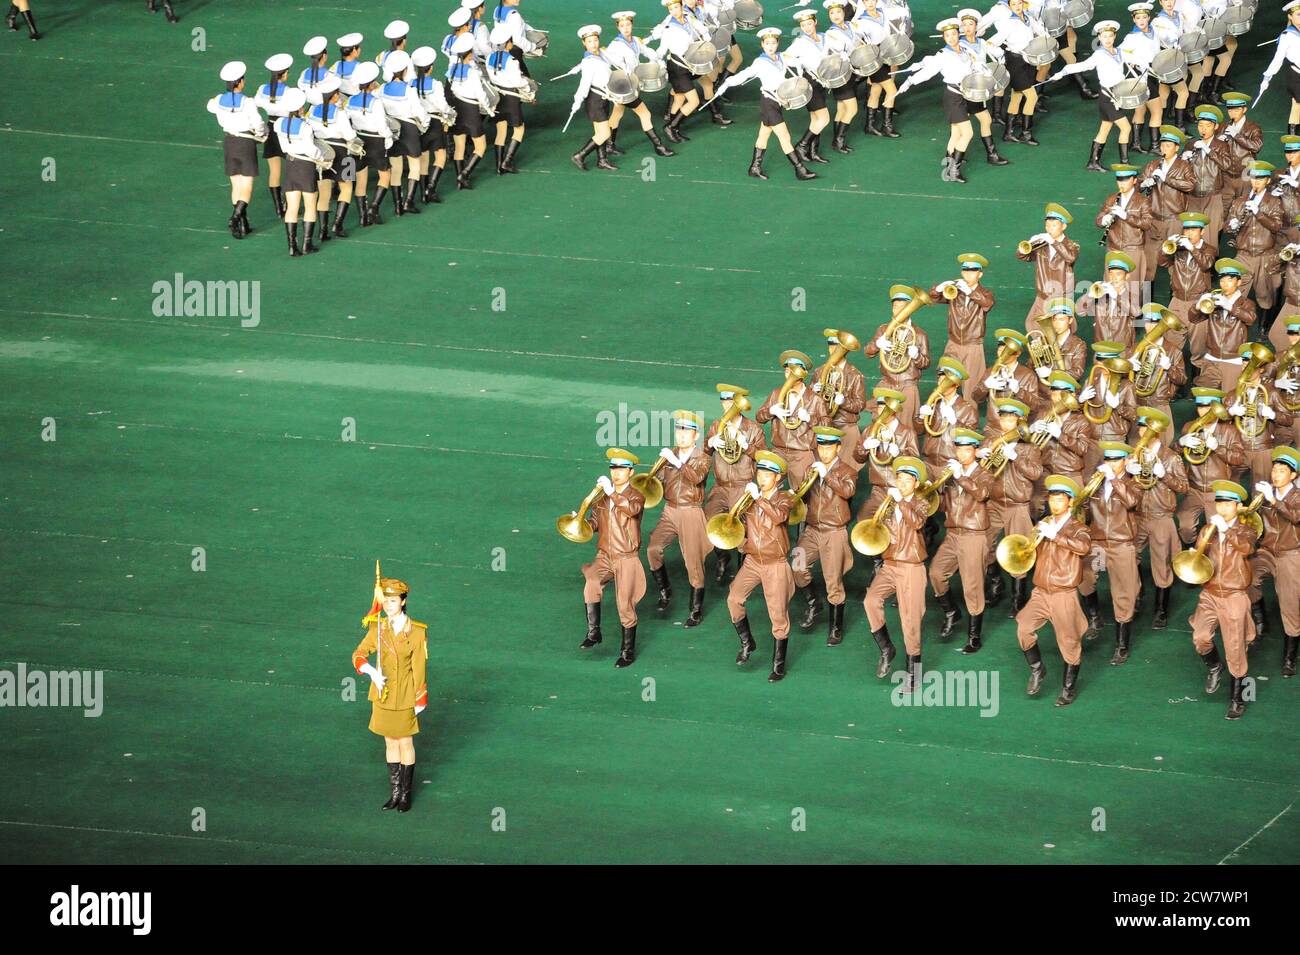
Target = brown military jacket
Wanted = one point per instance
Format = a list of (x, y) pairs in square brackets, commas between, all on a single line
[(905, 521), (1189, 269), (1289, 194), (1174, 376), (939, 448), (1059, 566), (802, 437), (1227, 330), (965, 500), (1113, 520), (1281, 535), (913, 371), (1212, 167), (617, 521), (1219, 466), (852, 385), (684, 487), (766, 536), (1161, 500), (1169, 196), (1016, 484), (1231, 559), (1064, 455), (1131, 232), (1120, 422), (1290, 272), (1053, 266), (1029, 392), (403, 661), (967, 314), (903, 436), (1112, 320), (1258, 230), (742, 472), (829, 498), (1244, 144), (1265, 394)]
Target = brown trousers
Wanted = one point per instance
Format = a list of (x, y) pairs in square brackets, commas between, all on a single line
[(1231, 616), (1260, 466), (965, 552), (629, 583), (778, 587), (972, 358), (1006, 518), (1061, 609), (831, 547), (1212, 206), (1122, 569), (685, 525), (1174, 340), (1265, 286), (1285, 570), (908, 582), (721, 498), (1194, 506), (1160, 535)]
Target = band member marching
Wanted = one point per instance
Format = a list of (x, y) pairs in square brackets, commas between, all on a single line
[(1111, 505), (968, 312), (1140, 47), (1211, 446), (1157, 469), (904, 349), (1108, 399), (595, 70), (685, 469), (468, 96), (1014, 32), (1126, 216), (615, 515), (401, 103), (367, 115), (1244, 138), (1053, 254), (1213, 163), (1062, 433), (1189, 259), (303, 155), (1258, 411), (1009, 378), (1167, 180), (1255, 221), (1109, 64), (433, 142), (887, 438), (955, 64), (242, 129), (1111, 303), (1278, 555), (873, 26), (329, 124), (625, 52), (981, 53), (841, 39), (843, 390), (1288, 52), (797, 410), (1169, 25), (675, 34), (945, 410), (965, 546), (1227, 315), (770, 68), (733, 442), (824, 538), (1064, 543), (506, 72), (1053, 346), (268, 100), (1015, 464), (807, 51), (1286, 185)]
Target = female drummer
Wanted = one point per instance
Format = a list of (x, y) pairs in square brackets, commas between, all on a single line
[(1109, 64), (807, 50), (1221, 56), (303, 157), (594, 69), (624, 53), (329, 124), (981, 53), (734, 57), (403, 105), (770, 68), (1169, 25), (1288, 52), (243, 127), (1139, 48), (1014, 32), (467, 92), (675, 34), (433, 142), (706, 24), (268, 101), (368, 118), (505, 72), (841, 39), (1068, 44), (955, 64), (872, 26)]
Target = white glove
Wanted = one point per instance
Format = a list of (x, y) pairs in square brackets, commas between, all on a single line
[(1159, 174), (913, 352), (1267, 412), (1087, 394), (752, 490), (1009, 452), (896, 494), (994, 383), (1237, 410), (1108, 288), (717, 442), (804, 414), (1054, 429), (1186, 154), (893, 450), (742, 440), (1122, 213), (1190, 441), (954, 466), (1263, 487), (871, 443), (820, 468), (963, 287), (1112, 399), (780, 411), (1157, 468), (668, 455), (1048, 529), (1041, 237), (1217, 299), (606, 485), (1133, 467), (925, 410), (817, 387), (1013, 385), (1147, 183), (1165, 361), (948, 413), (1184, 242), (838, 399), (1038, 427), (884, 344), (943, 285), (983, 453), (1287, 383), (1234, 224), (375, 676), (1278, 192), (1042, 372), (1211, 442), (1218, 521)]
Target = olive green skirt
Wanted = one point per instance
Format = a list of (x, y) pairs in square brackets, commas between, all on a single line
[(393, 723)]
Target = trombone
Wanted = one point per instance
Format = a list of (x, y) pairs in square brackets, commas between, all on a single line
[(573, 526)]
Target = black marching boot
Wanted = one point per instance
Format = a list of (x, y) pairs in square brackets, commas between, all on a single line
[(611, 144), (594, 635), (398, 207), (991, 148), (1257, 615), (1237, 704), (431, 185), (676, 123), (994, 585), (242, 206), (627, 652), (756, 164), (801, 172), (665, 588), (835, 635), (404, 797), (974, 634), (889, 130), (814, 149), (377, 205), (913, 669), (948, 603), (870, 125), (747, 644), (887, 651), (341, 212), (323, 232), (715, 112), (602, 157), (277, 198), (658, 144), (1122, 633), (1092, 608), (1161, 618), (1094, 157), (409, 206), (998, 111), (291, 230), (395, 781), (11, 18), (1019, 595), (1214, 668), (697, 608), (236, 227), (1069, 685), (670, 131), (721, 564), (1288, 656), (1010, 134), (465, 171), (308, 246), (814, 606), (32, 32), (1036, 671), (1085, 91), (778, 660), (801, 146), (837, 141), (1027, 131), (1123, 151), (958, 158)]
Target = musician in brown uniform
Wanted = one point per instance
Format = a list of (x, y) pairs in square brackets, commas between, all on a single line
[(886, 438), (1111, 507), (1113, 310), (1062, 434), (1009, 377), (1286, 185), (967, 316), (944, 410), (1224, 603), (843, 389), (1213, 163), (1157, 469), (1226, 327), (1219, 444), (685, 469), (616, 519), (767, 541), (903, 571), (1260, 416), (1255, 219), (1244, 139), (399, 691), (732, 447), (1189, 277), (965, 547), (1278, 555), (1053, 255), (1159, 370), (1058, 571), (904, 354), (1286, 272), (1072, 349), (1012, 489), (1167, 181), (798, 409), (1126, 216), (1108, 399), (1287, 374), (824, 538)]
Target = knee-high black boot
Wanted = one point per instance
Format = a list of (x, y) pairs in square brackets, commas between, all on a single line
[(1092, 608), (660, 576), (994, 585), (291, 231), (580, 157), (974, 634), (1094, 157), (756, 164), (467, 170), (11, 18), (1010, 134), (431, 185), (1027, 131), (593, 626), (1237, 705), (658, 144), (778, 660), (889, 130), (887, 651), (309, 246), (33, 33), (323, 232), (697, 608), (1019, 595), (1122, 633), (602, 157), (801, 171), (814, 606), (1214, 670), (958, 158), (340, 214), (407, 779), (870, 125), (169, 12), (611, 144), (835, 635), (394, 781), (722, 562), (1085, 91), (1288, 656), (948, 604), (1036, 670), (377, 204), (994, 157), (747, 644), (838, 143), (1069, 685), (627, 652), (1161, 618), (508, 160)]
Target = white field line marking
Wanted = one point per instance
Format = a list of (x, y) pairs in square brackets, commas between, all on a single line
[(1237, 850)]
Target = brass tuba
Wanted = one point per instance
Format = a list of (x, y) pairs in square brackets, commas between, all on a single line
[(1216, 412), (832, 382), (1063, 403), (793, 375), (1117, 368), (1145, 478), (1145, 357), (892, 407), (946, 388), (573, 526), (1044, 350), (1288, 362), (896, 360), (1251, 425), (996, 460), (731, 450), (1008, 352)]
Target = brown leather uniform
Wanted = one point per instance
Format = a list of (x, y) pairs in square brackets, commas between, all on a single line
[(1058, 571), (1064, 455), (1232, 573), (1290, 196), (1213, 168), (1281, 533), (939, 448), (1016, 483), (1266, 440), (1117, 426), (1112, 318), (1030, 392), (1258, 230), (1053, 266), (1244, 145), (1190, 271), (1161, 500), (742, 472), (1169, 196), (1129, 234), (1112, 521), (1226, 332), (905, 521), (854, 388), (1290, 272), (684, 487), (829, 499), (912, 373), (1224, 603), (882, 478), (794, 439), (1229, 455), (964, 500), (967, 314), (766, 536), (1075, 353), (1059, 565), (618, 528), (1169, 382)]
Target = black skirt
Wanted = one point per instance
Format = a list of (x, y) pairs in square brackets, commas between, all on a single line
[(433, 138), (376, 156), (1023, 75), (597, 107), (271, 148), (818, 100), (769, 112), (469, 120), (680, 78), (339, 169), (1153, 86), (973, 107), (407, 140), (847, 91), (1109, 111), (241, 155), (510, 109), (954, 107), (299, 175), (1293, 83), (881, 74)]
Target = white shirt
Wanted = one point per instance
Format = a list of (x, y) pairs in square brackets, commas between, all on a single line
[(1140, 48), (401, 103), (1109, 67), (841, 39), (237, 115), (297, 140), (337, 130), (366, 111), (594, 69), (1169, 28), (1288, 48), (1014, 32), (343, 70), (982, 51), (871, 29), (625, 54), (513, 19), (955, 65), (431, 94), (770, 73), (467, 85), (675, 36), (503, 70), (272, 107), (997, 13), (806, 51)]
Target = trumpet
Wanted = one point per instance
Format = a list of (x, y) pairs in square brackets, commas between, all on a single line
[(950, 292), (573, 526), (1288, 251), (1216, 412), (731, 450), (847, 342), (650, 485), (1146, 355), (889, 412), (1067, 403), (1025, 246), (1044, 350), (799, 512), (1205, 304), (1192, 566), (1170, 245), (946, 388), (996, 460), (896, 360), (793, 375), (871, 537), (1096, 289), (1118, 367), (727, 531)]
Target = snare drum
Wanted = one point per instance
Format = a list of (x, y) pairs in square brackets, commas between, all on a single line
[(1001, 78), (1078, 13), (722, 43), (526, 93), (977, 87), (491, 97), (539, 39), (1236, 20), (1169, 66), (1195, 45), (651, 77), (1040, 51), (896, 49), (865, 60), (700, 58), (727, 19), (833, 71), (621, 88), (1129, 94), (749, 14), (1215, 30), (795, 92), (1052, 17)]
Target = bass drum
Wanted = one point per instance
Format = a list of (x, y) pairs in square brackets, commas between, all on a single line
[(651, 77), (977, 87), (795, 92), (1169, 66), (622, 88), (1194, 45), (1041, 50), (539, 39), (865, 60), (897, 49), (1129, 94), (833, 71), (749, 14), (700, 58), (1001, 78)]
